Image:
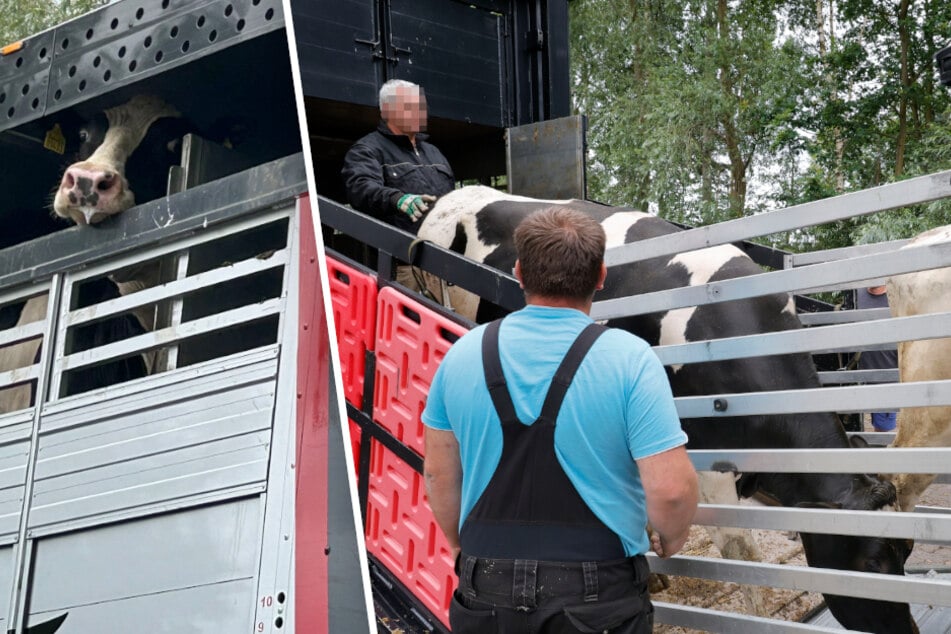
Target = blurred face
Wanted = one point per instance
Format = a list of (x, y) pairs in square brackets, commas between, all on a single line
[(406, 112)]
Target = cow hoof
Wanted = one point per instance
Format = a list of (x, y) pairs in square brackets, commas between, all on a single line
[(657, 582)]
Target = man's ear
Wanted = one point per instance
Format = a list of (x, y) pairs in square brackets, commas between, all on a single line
[(517, 272), (602, 276)]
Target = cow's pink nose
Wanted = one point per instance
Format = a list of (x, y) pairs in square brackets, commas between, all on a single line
[(86, 187)]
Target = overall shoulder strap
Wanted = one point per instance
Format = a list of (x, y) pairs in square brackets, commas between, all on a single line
[(566, 371), (494, 379)]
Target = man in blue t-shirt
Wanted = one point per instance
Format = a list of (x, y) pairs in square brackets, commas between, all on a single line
[(550, 443)]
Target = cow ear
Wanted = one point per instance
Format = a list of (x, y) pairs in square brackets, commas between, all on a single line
[(818, 505), (174, 145), (909, 546)]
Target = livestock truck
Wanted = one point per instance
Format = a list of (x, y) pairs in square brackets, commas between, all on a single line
[(208, 493)]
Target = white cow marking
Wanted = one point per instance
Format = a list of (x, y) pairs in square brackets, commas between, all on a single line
[(617, 225), (701, 266), (460, 207)]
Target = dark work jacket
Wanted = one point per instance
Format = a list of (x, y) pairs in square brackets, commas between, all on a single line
[(383, 166)]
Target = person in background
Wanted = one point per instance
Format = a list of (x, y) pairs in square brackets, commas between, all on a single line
[(551, 441), (394, 173), (875, 297)]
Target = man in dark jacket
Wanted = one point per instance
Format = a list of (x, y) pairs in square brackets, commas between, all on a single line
[(875, 297), (392, 173)]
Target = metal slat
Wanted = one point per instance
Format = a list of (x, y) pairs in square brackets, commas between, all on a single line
[(792, 260), (841, 377), (843, 316), (18, 376), (176, 288), (203, 237), (848, 337), (843, 582), (717, 621), (31, 330), (861, 203), (155, 485), (868, 398), (179, 443), (924, 527), (812, 460), (829, 275), (154, 391), (75, 451), (14, 449), (166, 336)]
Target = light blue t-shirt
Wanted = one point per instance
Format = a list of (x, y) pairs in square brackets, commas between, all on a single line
[(619, 408)]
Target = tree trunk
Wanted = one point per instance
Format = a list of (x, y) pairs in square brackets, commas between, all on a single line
[(904, 38), (731, 136)]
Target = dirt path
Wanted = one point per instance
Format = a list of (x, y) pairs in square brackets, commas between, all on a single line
[(778, 547)]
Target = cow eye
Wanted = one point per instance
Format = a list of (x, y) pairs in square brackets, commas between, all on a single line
[(83, 136)]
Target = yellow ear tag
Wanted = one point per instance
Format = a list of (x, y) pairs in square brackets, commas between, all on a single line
[(55, 141)]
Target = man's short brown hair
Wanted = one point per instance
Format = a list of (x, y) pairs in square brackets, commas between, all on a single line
[(560, 252)]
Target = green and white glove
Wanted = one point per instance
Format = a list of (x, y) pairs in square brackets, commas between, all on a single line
[(415, 205)]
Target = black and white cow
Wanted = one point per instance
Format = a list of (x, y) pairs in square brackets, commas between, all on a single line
[(479, 222), (123, 155)]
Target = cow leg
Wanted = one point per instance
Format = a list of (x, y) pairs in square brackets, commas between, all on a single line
[(928, 360), (733, 543), (136, 279), (919, 427), (22, 355)]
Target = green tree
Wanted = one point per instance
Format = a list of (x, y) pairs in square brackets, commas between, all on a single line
[(685, 101), (20, 19), (711, 109)]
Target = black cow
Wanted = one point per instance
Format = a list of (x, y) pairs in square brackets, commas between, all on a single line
[(129, 146), (480, 222)]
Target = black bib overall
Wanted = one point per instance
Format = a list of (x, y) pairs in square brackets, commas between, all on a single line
[(535, 558)]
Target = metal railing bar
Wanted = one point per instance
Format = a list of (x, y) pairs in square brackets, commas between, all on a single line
[(886, 397), (924, 527), (167, 336), (813, 460), (868, 201), (802, 280), (176, 288), (844, 582), (822, 339)]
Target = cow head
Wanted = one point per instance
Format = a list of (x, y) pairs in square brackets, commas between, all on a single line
[(864, 554), (98, 185)]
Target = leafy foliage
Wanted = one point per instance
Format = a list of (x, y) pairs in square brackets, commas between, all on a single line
[(705, 110), (20, 19)]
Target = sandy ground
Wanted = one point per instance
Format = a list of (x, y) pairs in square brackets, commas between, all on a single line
[(932, 556), (779, 547)]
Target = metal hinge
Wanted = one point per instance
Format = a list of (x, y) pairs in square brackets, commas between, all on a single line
[(373, 44)]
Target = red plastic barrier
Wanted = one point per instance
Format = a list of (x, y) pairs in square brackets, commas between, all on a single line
[(411, 341), (402, 532), (353, 295)]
